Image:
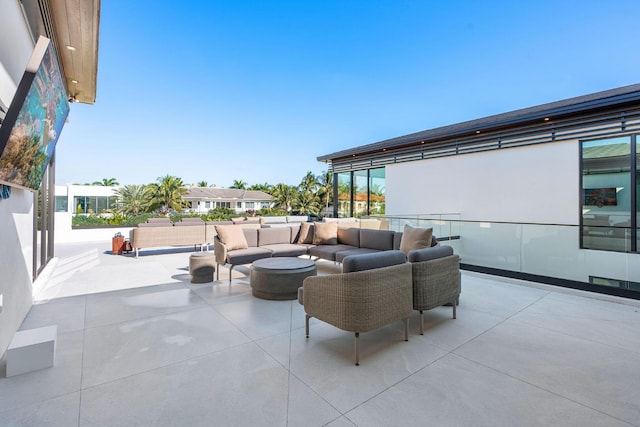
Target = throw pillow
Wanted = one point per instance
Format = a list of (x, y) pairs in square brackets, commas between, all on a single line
[(415, 238), (232, 236), (325, 233), (306, 233)]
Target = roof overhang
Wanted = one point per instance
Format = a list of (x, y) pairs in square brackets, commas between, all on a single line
[(73, 27), (545, 112)]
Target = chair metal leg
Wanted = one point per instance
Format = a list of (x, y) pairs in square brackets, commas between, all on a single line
[(357, 349), (306, 324), (217, 271), (421, 322), (406, 329), (230, 270), (454, 308)]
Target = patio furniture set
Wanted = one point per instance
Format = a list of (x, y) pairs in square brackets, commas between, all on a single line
[(377, 284)]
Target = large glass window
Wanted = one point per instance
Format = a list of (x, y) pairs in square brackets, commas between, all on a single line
[(377, 192), (606, 194), (361, 193), (344, 194)]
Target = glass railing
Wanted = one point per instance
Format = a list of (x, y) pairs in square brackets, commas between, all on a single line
[(549, 251)]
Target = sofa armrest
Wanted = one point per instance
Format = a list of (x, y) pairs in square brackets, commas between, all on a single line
[(435, 282), (219, 250)]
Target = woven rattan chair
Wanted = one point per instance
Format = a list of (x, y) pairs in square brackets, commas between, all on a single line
[(361, 299), (436, 279)]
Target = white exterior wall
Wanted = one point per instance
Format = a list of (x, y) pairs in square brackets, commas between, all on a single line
[(16, 213), (536, 184)]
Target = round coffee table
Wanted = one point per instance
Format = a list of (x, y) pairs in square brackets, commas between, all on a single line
[(279, 278)]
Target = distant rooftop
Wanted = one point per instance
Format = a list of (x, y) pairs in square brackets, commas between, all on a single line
[(226, 193)]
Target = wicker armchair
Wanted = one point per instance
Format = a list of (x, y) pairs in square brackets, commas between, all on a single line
[(363, 297), (436, 279)]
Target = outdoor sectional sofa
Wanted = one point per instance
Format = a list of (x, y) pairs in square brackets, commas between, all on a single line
[(161, 232), (237, 246)]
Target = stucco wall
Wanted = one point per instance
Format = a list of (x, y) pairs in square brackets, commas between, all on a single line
[(16, 213), (537, 184)]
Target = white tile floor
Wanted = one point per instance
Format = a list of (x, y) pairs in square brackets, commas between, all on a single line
[(139, 345)]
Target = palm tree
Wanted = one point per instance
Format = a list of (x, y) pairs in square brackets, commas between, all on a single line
[(132, 199), (202, 184), (107, 182), (265, 188), (326, 187), (239, 184), (284, 196), (167, 193)]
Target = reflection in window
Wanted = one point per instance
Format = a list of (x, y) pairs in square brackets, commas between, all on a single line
[(377, 191), (361, 190), (606, 194), (344, 194)]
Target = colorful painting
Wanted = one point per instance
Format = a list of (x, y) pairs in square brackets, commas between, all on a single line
[(34, 121)]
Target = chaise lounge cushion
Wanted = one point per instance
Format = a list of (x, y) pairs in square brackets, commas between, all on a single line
[(286, 249), (415, 238), (325, 233), (247, 256), (232, 237)]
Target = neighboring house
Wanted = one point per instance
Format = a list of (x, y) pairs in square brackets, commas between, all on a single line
[(203, 199), (551, 190), (85, 199)]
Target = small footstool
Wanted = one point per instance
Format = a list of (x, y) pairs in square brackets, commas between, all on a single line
[(202, 265), (279, 278)]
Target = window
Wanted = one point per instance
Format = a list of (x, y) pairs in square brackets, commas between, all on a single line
[(239, 205), (265, 205), (249, 205), (607, 194), (223, 204), (207, 205), (62, 204), (361, 193)]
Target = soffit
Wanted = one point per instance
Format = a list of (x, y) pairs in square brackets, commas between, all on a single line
[(76, 24)]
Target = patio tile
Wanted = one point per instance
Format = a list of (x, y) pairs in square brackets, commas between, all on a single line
[(37, 386), (598, 376), (456, 392), (60, 411), (131, 304), (306, 407), (239, 386), (325, 361), (601, 321), (67, 313), (123, 349)]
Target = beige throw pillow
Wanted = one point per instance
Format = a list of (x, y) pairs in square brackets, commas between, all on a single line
[(232, 236), (325, 233), (306, 233), (415, 238)]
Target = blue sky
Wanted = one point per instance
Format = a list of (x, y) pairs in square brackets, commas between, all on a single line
[(255, 90)]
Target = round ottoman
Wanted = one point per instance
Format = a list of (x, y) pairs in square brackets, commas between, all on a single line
[(201, 267), (279, 278)]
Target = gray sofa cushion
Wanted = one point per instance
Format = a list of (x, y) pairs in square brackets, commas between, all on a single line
[(381, 240), (428, 254), (286, 249), (340, 256), (328, 251), (374, 260), (155, 224), (349, 236), (274, 236), (247, 256)]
